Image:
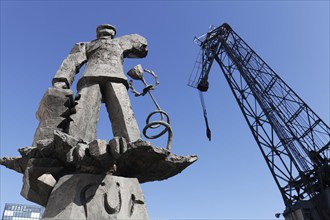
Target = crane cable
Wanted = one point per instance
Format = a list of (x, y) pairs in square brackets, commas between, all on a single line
[(208, 131)]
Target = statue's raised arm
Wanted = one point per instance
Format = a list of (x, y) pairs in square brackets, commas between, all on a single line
[(70, 67)]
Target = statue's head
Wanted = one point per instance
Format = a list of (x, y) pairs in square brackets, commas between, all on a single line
[(105, 31)]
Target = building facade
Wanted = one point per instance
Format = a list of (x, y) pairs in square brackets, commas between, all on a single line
[(22, 212)]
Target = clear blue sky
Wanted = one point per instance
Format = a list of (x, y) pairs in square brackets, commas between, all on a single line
[(230, 180)]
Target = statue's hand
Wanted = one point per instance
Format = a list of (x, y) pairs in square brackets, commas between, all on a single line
[(60, 85)]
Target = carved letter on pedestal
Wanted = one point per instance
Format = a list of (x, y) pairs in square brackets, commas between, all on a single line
[(88, 196)]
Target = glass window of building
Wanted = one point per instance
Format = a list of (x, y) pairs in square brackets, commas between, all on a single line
[(22, 212)]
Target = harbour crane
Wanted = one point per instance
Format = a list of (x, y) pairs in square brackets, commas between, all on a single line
[(293, 140)]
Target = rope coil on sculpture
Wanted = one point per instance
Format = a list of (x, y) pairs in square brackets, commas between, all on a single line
[(136, 73), (157, 124)]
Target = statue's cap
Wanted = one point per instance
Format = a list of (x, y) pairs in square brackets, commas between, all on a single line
[(105, 26)]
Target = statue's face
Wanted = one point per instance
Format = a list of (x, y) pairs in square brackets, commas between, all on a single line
[(105, 33)]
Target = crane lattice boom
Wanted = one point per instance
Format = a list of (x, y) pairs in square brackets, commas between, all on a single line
[(293, 140)]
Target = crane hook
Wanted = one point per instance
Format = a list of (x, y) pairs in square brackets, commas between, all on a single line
[(208, 130)]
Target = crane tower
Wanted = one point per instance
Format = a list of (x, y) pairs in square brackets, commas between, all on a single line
[(293, 140)]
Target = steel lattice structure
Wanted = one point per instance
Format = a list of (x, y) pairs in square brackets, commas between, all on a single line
[(293, 140)]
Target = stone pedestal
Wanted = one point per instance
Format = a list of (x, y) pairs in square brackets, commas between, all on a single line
[(95, 180), (89, 196)]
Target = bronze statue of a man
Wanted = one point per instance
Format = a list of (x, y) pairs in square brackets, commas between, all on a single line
[(103, 80)]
